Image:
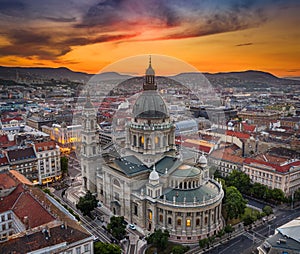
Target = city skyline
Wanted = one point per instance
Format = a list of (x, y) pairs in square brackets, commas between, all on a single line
[(211, 36)]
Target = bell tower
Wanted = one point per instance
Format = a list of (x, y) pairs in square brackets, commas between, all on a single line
[(90, 149)]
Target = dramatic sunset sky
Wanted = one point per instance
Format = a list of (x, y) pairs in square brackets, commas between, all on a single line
[(212, 35)]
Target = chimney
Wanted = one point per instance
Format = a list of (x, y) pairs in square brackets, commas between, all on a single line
[(26, 222)]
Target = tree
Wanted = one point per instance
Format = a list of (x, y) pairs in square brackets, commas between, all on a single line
[(268, 210), (87, 204), (248, 220), (297, 195), (106, 248), (228, 229), (217, 174), (240, 180), (117, 227), (204, 243), (64, 165), (235, 204), (159, 239), (259, 191), (277, 195), (180, 249)]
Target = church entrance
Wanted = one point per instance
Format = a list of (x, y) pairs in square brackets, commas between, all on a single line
[(116, 207)]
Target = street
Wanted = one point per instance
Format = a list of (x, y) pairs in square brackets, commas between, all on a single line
[(251, 239)]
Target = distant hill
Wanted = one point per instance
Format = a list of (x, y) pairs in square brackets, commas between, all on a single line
[(21, 73), (112, 76), (243, 78)]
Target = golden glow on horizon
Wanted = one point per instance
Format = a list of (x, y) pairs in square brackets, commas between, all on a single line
[(269, 47)]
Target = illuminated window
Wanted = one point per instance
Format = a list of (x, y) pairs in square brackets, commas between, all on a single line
[(188, 222), (150, 215), (156, 140)]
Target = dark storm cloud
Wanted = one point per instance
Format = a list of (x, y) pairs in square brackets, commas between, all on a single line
[(10, 7), (79, 23), (193, 18), (109, 13), (60, 19), (27, 43)]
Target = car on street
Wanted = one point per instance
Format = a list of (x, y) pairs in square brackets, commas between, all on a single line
[(131, 226)]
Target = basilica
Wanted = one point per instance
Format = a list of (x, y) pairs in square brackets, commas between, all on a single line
[(151, 182)]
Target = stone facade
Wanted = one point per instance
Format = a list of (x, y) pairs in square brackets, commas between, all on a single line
[(151, 185)]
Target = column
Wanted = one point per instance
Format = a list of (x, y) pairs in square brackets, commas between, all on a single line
[(174, 222), (154, 214), (209, 219), (193, 224), (164, 218), (184, 223), (202, 220)]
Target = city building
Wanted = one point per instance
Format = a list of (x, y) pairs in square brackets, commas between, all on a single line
[(149, 181), (67, 137), (227, 159), (31, 223), (259, 118), (275, 169), (285, 240), (24, 160), (48, 155)]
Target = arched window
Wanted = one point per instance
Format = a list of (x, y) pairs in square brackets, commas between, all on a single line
[(188, 222), (198, 222), (141, 141), (169, 220), (161, 218), (134, 140), (190, 185), (185, 185), (149, 214), (157, 142), (179, 222), (117, 183)]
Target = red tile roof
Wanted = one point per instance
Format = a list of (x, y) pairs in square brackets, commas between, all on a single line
[(22, 203), (279, 168), (27, 206), (226, 155), (8, 201), (238, 134), (44, 146), (248, 127), (3, 160), (200, 147), (7, 120), (6, 181), (3, 138)]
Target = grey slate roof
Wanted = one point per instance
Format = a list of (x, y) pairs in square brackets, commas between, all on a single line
[(131, 165), (204, 192)]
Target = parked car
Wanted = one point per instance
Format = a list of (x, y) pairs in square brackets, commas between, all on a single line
[(131, 226)]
